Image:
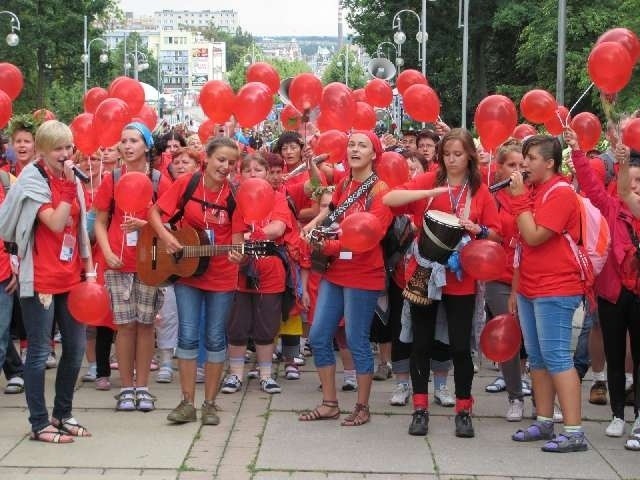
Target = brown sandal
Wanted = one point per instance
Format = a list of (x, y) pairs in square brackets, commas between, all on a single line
[(51, 434), (315, 414), (70, 426), (359, 416)]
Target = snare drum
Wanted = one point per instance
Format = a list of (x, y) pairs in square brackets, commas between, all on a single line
[(440, 234)]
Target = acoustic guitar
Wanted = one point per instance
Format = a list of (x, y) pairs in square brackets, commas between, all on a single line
[(157, 267)]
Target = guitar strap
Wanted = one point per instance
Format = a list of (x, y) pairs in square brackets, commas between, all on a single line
[(188, 195), (351, 199)]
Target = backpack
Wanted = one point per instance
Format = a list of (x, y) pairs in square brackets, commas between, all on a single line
[(609, 168), (188, 195), (5, 179), (592, 249)]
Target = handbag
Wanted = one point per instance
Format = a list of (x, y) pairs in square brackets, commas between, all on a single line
[(319, 262)]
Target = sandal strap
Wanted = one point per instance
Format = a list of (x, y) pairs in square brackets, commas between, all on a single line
[(330, 403)]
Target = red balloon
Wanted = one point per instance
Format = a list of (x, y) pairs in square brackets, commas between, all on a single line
[(323, 123), (610, 66), (538, 106), (333, 142), (338, 104), (631, 134), (524, 130), (365, 117), (42, 115), (361, 232), (133, 192), (6, 109), (555, 125), (128, 90), (205, 130), (500, 338), (359, 95), (255, 199), (253, 104), (626, 38), (83, 135), (217, 100), (305, 91), (93, 98), (290, 118), (148, 116), (379, 93), (495, 119), (408, 78), (11, 81), (421, 103), (264, 73), (588, 129), (110, 118), (484, 260), (89, 303), (393, 169)]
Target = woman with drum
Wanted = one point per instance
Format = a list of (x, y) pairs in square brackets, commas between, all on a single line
[(453, 201), (548, 294), (351, 284)]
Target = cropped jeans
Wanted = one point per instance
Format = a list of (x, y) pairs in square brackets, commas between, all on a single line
[(217, 307), (38, 321), (546, 324), (357, 306)]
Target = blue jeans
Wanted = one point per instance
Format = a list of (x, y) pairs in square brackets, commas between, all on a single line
[(581, 357), (38, 322), (217, 307), (357, 306), (546, 324), (6, 310)]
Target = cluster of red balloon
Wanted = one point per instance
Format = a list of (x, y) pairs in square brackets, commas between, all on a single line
[(11, 83), (420, 101), (612, 59), (107, 111)]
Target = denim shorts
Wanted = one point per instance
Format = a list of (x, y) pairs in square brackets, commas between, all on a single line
[(546, 324)]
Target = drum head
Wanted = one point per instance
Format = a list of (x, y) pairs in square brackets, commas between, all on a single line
[(444, 218)]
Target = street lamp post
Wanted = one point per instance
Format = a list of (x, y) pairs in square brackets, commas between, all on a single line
[(140, 61), (399, 37), (12, 37), (399, 61), (250, 58), (463, 21), (344, 56), (86, 56)]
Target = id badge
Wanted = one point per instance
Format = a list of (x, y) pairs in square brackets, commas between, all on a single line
[(132, 238), (513, 243), (68, 247), (210, 235), (346, 256)]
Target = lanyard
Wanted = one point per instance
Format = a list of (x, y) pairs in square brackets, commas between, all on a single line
[(204, 205), (456, 201)]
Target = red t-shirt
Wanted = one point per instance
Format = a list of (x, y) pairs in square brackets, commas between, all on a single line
[(550, 269), (221, 275), (117, 236), (509, 232), (5, 262), (271, 272), (295, 190), (483, 211), (363, 270), (17, 168), (52, 275)]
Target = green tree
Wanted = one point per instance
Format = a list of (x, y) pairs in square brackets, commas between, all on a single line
[(335, 71), (51, 43), (115, 67)]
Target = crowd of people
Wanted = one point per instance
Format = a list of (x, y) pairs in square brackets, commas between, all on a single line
[(407, 295)]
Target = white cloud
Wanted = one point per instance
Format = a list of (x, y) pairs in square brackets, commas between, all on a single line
[(268, 17)]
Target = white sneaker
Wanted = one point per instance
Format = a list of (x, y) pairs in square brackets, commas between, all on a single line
[(615, 428), (299, 360), (444, 398), (400, 395), (349, 385), (231, 384), (52, 361), (253, 373), (292, 372), (515, 410), (90, 376), (165, 374), (269, 385), (557, 414)]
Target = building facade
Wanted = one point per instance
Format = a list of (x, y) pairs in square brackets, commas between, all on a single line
[(226, 20)]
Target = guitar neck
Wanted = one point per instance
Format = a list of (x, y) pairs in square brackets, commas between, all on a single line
[(210, 250)]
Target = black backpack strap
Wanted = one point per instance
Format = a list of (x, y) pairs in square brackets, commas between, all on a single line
[(186, 196), (40, 168)]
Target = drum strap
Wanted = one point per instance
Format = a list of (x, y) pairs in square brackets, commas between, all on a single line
[(362, 189), (465, 215)]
